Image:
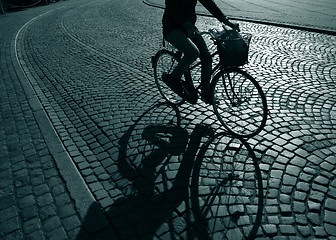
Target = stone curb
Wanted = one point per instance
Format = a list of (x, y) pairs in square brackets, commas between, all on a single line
[(77, 188)]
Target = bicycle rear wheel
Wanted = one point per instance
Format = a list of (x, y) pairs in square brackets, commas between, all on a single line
[(227, 190), (239, 102), (165, 61)]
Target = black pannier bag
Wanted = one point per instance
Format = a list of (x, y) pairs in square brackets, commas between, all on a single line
[(233, 48)]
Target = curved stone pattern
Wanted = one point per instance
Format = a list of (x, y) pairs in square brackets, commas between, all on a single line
[(90, 67)]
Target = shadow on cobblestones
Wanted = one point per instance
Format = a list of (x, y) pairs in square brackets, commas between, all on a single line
[(177, 184)]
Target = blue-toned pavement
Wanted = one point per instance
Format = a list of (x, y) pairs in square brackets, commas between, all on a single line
[(89, 149), (310, 15)]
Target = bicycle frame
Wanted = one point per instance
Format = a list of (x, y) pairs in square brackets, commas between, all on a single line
[(199, 62), (217, 67)]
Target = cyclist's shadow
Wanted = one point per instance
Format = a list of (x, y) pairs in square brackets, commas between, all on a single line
[(159, 171), (158, 178)]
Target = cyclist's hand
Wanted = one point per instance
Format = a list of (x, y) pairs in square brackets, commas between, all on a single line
[(235, 26), (192, 31)]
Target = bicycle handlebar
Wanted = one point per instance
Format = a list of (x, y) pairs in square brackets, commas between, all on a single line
[(218, 35)]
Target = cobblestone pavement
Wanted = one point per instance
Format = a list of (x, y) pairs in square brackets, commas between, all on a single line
[(35, 202), (147, 164)]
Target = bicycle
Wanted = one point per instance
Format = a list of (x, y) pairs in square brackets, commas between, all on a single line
[(237, 98)]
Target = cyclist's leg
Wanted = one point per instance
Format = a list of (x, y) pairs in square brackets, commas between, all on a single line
[(190, 52), (206, 60)]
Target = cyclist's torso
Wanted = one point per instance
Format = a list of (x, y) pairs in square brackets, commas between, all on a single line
[(177, 12)]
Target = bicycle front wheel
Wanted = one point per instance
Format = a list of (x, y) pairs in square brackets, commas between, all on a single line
[(239, 102), (164, 62)]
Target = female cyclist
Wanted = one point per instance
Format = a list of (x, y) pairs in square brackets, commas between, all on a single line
[(179, 29)]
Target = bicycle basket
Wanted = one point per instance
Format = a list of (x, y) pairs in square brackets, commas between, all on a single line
[(233, 48)]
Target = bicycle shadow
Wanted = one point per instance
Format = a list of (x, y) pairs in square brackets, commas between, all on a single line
[(157, 178), (159, 172)]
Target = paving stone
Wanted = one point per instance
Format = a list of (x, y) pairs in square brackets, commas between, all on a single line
[(274, 220), (299, 207), (330, 217), (51, 223), (276, 174), (330, 204), (41, 189), (285, 198), (29, 212), (285, 210), (66, 211), (301, 219), (274, 183), (62, 199), (27, 201), (44, 200), (314, 207), (287, 189), (310, 171), (71, 222), (8, 213), (31, 226), (316, 196), (303, 186), (47, 211), (306, 177), (38, 235), (305, 231), (287, 229), (57, 234), (331, 193), (100, 194), (322, 180), (289, 180), (302, 153), (272, 209), (9, 226), (314, 218), (330, 229), (293, 170), (320, 232), (270, 229)]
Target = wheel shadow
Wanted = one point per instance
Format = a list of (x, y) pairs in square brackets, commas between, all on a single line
[(160, 169), (226, 189)]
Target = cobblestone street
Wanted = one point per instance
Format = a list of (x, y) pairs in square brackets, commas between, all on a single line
[(90, 150)]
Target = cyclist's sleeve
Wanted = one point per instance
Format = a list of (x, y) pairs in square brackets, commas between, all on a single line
[(211, 6)]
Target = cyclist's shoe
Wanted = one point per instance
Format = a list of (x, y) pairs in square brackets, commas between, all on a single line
[(181, 88), (173, 83), (190, 93), (206, 96)]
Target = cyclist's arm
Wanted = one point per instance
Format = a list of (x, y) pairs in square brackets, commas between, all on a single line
[(211, 6)]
